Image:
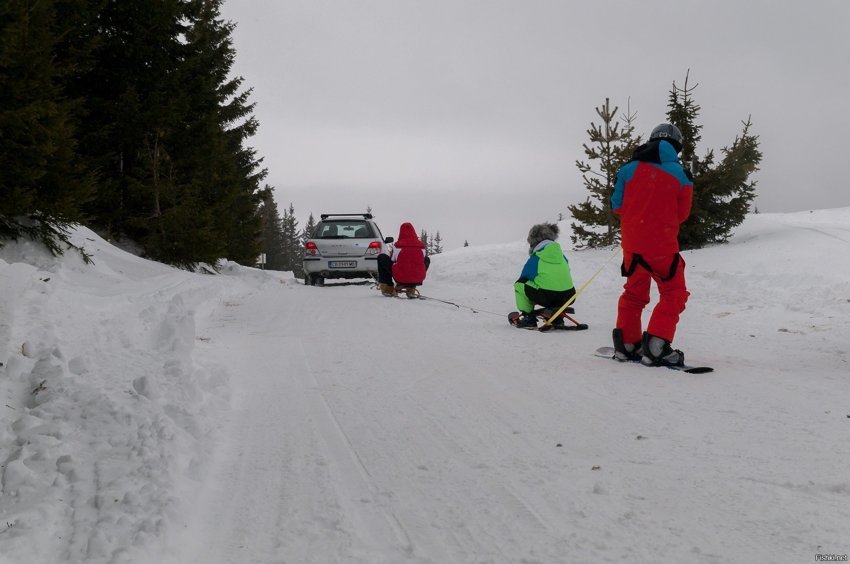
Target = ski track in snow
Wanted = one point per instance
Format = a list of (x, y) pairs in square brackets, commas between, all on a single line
[(160, 416), (435, 464)]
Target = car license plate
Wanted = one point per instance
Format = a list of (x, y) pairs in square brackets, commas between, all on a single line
[(342, 264)]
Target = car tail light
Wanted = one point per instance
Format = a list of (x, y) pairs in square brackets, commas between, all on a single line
[(310, 248), (374, 248)]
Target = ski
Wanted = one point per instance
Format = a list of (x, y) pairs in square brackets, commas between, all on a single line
[(544, 314), (608, 352)]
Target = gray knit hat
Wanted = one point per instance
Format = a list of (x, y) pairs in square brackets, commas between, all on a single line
[(541, 232)]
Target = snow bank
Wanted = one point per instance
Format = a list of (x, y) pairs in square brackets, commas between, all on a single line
[(106, 406)]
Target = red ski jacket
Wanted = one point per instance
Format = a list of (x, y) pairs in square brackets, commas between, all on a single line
[(408, 257), (653, 196)]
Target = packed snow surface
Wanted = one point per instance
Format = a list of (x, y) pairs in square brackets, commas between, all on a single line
[(149, 414)]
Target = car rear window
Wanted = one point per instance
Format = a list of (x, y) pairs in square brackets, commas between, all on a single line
[(353, 229)]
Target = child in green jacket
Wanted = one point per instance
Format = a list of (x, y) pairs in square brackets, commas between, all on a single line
[(545, 279)]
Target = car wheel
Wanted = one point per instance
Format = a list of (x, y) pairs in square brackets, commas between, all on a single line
[(318, 280)]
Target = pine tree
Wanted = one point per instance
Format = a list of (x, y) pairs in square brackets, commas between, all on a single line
[(465, 243), (308, 229), (132, 99), (218, 170), (43, 181), (723, 191), (611, 145), (683, 112), (426, 240), (272, 241), (437, 244), (166, 125), (292, 250)]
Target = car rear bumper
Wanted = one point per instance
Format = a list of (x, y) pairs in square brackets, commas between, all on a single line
[(364, 267)]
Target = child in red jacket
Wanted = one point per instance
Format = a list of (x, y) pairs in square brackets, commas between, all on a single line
[(652, 196), (406, 265)]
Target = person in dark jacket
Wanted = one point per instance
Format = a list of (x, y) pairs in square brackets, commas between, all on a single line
[(545, 279), (406, 265), (652, 196)]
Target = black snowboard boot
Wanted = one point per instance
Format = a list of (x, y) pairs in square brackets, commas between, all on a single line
[(527, 321), (658, 352), (625, 351)]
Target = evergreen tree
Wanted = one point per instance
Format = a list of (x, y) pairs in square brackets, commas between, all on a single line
[(132, 96), (308, 229), (166, 126), (611, 145), (239, 174), (723, 191), (437, 244), (142, 93), (292, 249), (426, 240), (683, 112), (465, 243), (43, 182), (272, 240)]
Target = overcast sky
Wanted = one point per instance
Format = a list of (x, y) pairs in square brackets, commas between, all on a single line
[(467, 116)]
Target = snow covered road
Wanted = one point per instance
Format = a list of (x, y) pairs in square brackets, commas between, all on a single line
[(369, 430), (155, 415)]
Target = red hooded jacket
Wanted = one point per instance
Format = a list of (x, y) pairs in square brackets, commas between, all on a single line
[(653, 196), (408, 256)]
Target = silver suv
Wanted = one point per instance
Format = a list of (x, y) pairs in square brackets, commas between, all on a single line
[(343, 246)]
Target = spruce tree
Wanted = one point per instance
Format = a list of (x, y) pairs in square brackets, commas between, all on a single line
[(272, 240), (308, 229), (43, 181), (132, 99), (233, 171), (723, 191), (437, 244), (293, 253), (165, 124), (611, 145), (426, 240)]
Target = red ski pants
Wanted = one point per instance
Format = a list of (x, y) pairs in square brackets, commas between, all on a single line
[(673, 296)]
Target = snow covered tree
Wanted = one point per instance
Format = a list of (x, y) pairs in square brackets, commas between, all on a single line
[(723, 191), (611, 145)]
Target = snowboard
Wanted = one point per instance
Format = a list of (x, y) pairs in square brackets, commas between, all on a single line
[(608, 352), (544, 314)]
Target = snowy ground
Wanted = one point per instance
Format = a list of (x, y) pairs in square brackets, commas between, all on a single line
[(153, 415)]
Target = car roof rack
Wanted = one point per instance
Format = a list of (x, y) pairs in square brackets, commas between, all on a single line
[(364, 215)]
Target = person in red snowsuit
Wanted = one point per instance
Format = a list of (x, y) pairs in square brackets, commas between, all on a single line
[(406, 265), (652, 196)]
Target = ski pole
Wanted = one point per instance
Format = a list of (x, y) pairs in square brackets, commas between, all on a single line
[(548, 323)]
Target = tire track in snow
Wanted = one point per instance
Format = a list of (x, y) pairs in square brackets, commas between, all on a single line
[(300, 491), (346, 456)]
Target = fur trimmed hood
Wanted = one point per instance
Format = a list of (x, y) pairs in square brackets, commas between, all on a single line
[(542, 232)]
